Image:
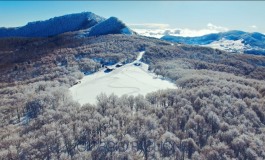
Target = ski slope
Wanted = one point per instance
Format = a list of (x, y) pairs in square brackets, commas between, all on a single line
[(128, 79)]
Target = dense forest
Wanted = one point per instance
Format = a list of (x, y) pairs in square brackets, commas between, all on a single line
[(217, 112)]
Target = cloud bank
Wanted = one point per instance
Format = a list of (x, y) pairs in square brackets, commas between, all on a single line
[(149, 26), (253, 27), (159, 29)]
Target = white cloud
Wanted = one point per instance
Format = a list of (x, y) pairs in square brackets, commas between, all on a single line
[(149, 26), (214, 27), (158, 30), (253, 27)]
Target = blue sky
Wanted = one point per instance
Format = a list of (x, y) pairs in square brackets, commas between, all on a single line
[(242, 15)]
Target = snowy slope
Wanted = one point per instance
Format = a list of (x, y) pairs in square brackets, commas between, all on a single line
[(86, 24), (54, 26), (112, 25), (128, 79), (232, 41), (233, 46)]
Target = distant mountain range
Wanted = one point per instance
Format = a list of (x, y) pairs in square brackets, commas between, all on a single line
[(90, 23), (231, 41)]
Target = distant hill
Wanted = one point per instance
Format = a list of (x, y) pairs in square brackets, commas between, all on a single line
[(232, 41), (68, 23)]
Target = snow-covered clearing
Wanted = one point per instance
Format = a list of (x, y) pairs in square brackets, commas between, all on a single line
[(229, 45), (129, 79)]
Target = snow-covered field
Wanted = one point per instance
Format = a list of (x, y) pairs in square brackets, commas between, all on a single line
[(128, 79), (229, 45)]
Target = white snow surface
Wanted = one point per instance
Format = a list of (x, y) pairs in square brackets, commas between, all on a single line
[(229, 45), (128, 79)]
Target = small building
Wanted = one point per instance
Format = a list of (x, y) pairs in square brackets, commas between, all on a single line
[(137, 64), (119, 65), (78, 82), (108, 69)]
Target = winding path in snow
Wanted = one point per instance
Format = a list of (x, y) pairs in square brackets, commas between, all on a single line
[(128, 79)]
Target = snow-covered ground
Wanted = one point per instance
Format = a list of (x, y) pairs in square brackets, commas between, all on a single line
[(229, 45), (128, 79)]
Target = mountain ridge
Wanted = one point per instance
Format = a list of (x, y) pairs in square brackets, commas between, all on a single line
[(63, 24), (251, 43)]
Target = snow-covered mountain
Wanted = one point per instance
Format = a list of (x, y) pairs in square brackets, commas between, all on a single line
[(68, 23), (111, 25), (231, 41)]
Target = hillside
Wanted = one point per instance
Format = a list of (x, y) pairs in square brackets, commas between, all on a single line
[(216, 111), (231, 41), (68, 23)]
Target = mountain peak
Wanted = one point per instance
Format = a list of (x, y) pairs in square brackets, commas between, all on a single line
[(110, 26), (67, 23)]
